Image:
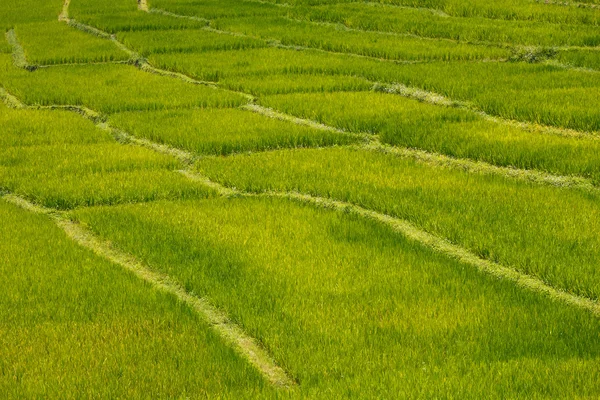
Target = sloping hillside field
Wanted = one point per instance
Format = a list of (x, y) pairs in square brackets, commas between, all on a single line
[(292, 199)]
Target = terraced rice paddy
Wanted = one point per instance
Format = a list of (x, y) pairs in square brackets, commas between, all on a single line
[(299, 199)]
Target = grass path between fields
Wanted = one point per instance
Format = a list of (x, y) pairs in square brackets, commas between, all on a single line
[(231, 333)]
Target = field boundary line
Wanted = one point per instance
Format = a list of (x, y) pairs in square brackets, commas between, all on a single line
[(231, 333)]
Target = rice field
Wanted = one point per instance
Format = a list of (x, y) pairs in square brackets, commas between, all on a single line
[(303, 199)]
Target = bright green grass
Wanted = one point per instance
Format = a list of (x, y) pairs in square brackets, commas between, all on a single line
[(353, 310), (57, 43), (295, 83), (528, 10), (83, 166), (302, 33), (527, 92), (549, 232), (75, 326), (122, 15), (455, 132), (211, 9), (581, 58), (536, 93), (109, 88), (184, 41), (223, 131), (216, 65), (28, 11), (428, 23)]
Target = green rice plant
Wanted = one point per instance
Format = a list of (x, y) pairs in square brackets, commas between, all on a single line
[(428, 23), (74, 325), (211, 9), (56, 43), (545, 231), (136, 21), (122, 15), (538, 93), (223, 131), (580, 58), (217, 65), (451, 131), (330, 38), (5, 48), (109, 88), (83, 166), (184, 41), (354, 310), (295, 83), (47, 127), (530, 10), (13, 12)]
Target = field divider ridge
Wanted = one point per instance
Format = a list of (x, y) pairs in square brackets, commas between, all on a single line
[(18, 53), (227, 330)]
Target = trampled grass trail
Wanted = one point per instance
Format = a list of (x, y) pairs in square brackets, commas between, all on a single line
[(231, 333)]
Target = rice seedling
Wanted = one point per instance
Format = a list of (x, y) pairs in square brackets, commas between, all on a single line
[(538, 93), (184, 41), (211, 9), (54, 42), (15, 12), (109, 88), (295, 83), (580, 58), (354, 310), (545, 11), (428, 23), (451, 131), (83, 166), (217, 65), (74, 325), (123, 15), (549, 232), (330, 38), (223, 131)]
